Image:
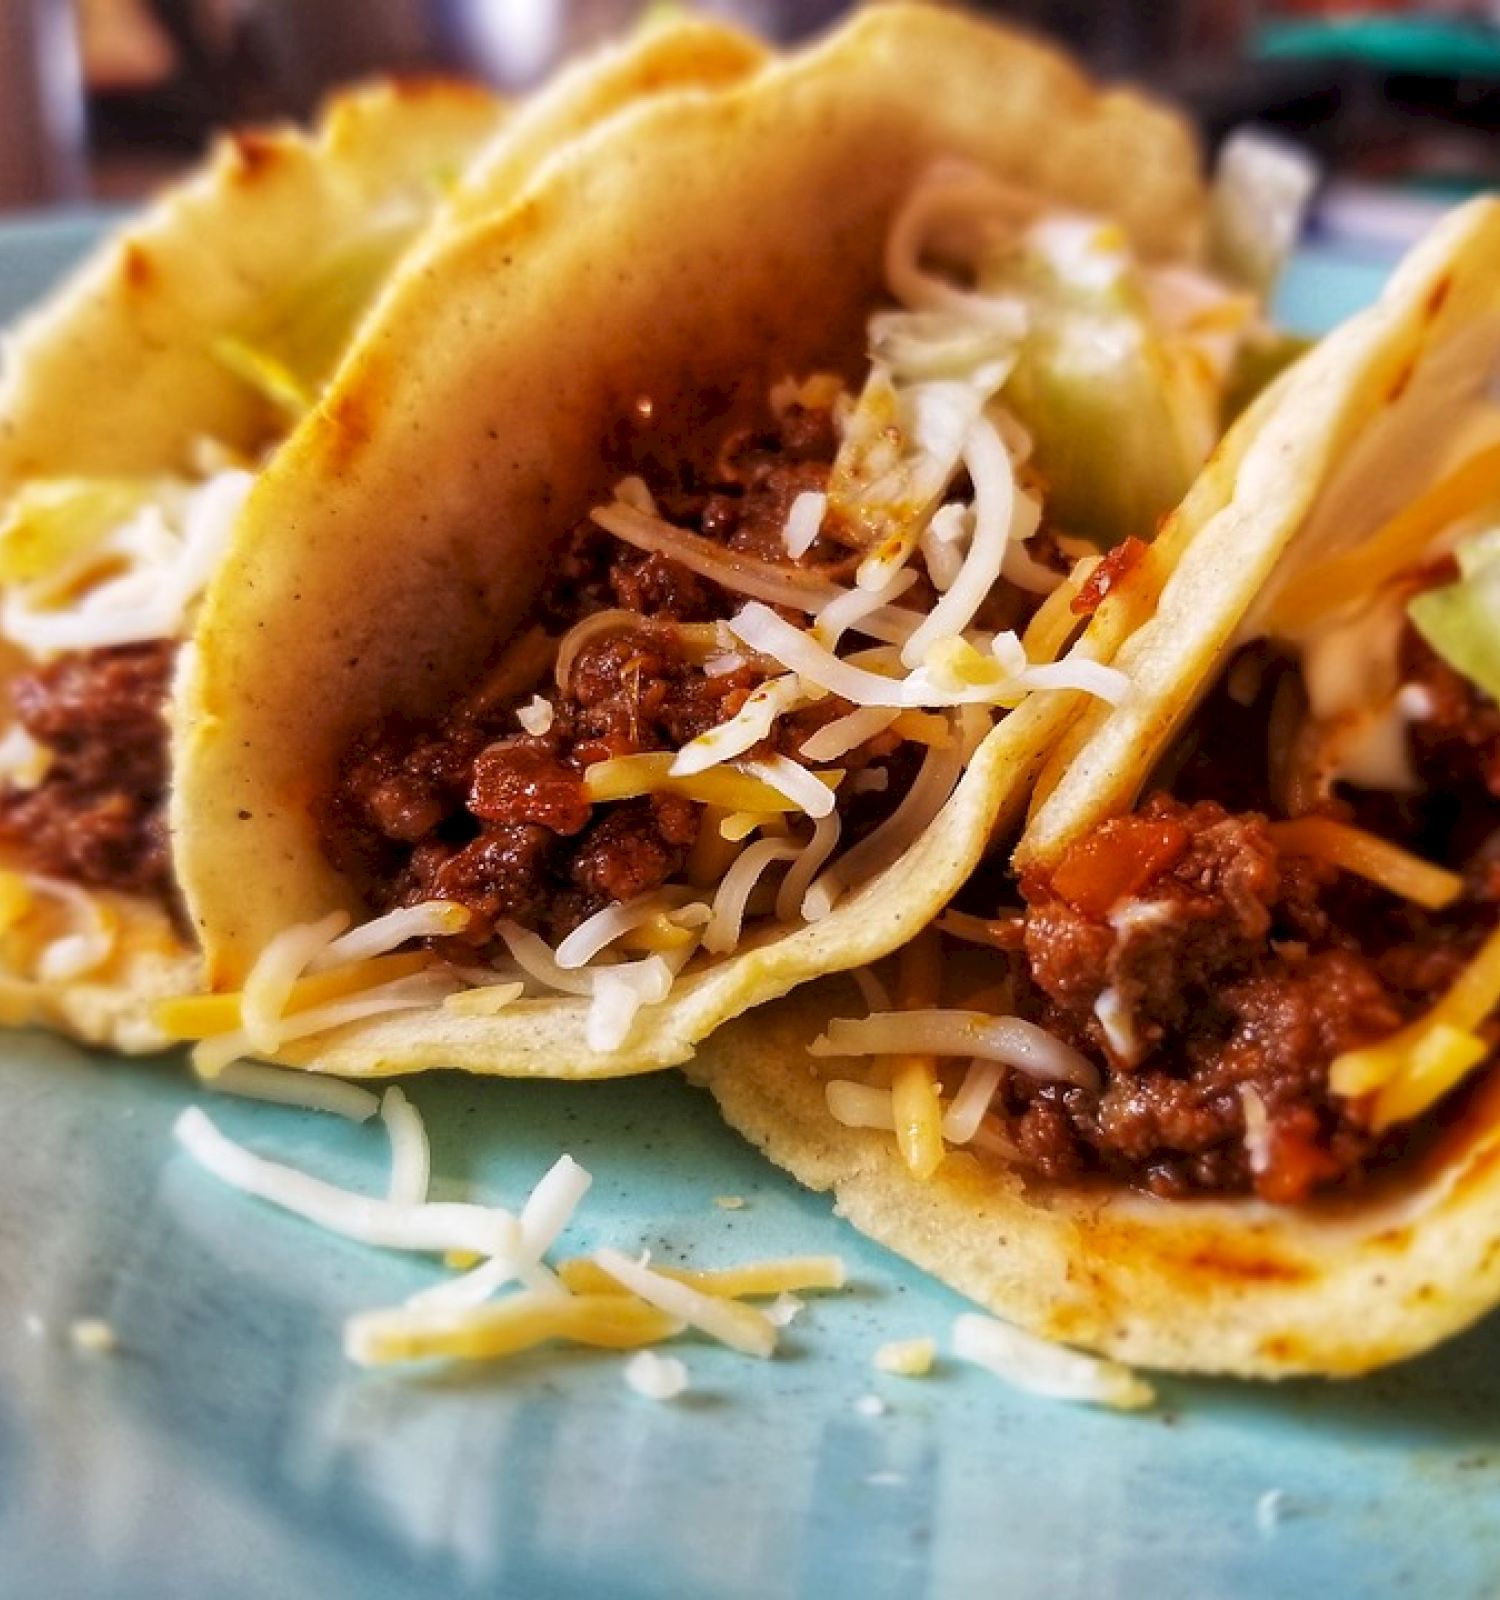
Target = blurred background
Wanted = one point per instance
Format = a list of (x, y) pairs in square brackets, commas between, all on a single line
[(103, 99)]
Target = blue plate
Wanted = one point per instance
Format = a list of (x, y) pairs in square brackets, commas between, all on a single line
[(226, 1449)]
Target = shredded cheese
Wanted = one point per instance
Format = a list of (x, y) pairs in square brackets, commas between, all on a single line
[(792, 899), (1010, 1040), (656, 1377), (489, 1332), (847, 733), (626, 777), (435, 1227), (411, 1155), (730, 903), (485, 1000), (1415, 1066), (806, 791), (536, 716), (784, 1275), (432, 919), (860, 1105), (803, 523), (423, 991), (741, 1327), (93, 1335), (743, 731), (268, 988), (916, 1107), (203, 1016), (306, 1090), (1368, 856), (1047, 1369), (1257, 1129), (139, 583), (907, 1358), (962, 1119)]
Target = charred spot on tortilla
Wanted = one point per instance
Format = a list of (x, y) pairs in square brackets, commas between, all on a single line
[(137, 266), (252, 156)]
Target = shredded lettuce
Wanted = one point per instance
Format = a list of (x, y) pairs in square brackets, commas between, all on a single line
[(1260, 360), (1122, 407), (52, 523), (1262, 186), (1461, 621), (293, 346)]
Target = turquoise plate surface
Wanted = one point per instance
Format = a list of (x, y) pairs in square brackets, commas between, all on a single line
[(226, 1449)]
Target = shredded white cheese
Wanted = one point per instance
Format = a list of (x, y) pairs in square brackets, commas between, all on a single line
[(1038, 1367), (305, 1090), (784, 1309), (800, 786), (657, 1377), (93, 1335), (535, 716), (1257, 1129), (411, 1154), (158, 562), (1010, 1040), (741, 1327), (803, 523), (432, 919), (438, 1227), (745, 729), (23, 762), (963, 1116)]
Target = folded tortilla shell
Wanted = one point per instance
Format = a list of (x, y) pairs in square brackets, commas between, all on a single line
[(1337, 1287), (688, 245)]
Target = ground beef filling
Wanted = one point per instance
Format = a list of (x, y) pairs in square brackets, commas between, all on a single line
[(98, 815), (1240, 971), (469, 809)]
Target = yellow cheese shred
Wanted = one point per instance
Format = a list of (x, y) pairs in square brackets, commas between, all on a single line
[(711, 854), (626, 777), (1412, 1069), (206, 1016), (1436, 1063), (787, 1275), (1370, 857), (16, 899), (1054, 621), (505, 1327), (915, 1104), (1397, 546), (997, 933)]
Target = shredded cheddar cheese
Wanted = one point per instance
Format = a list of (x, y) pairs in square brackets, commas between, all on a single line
[(907, 1358), (205, 1016), (998, 933), (505, 1327), (1054, 621), (782, 1276), (1412, 1069), (1368, 856), (1437, 1062), (915, 1103), (628, 777)]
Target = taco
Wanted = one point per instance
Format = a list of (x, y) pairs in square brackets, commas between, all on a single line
[(1201, 1078), (136, 407), (662, 609)]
